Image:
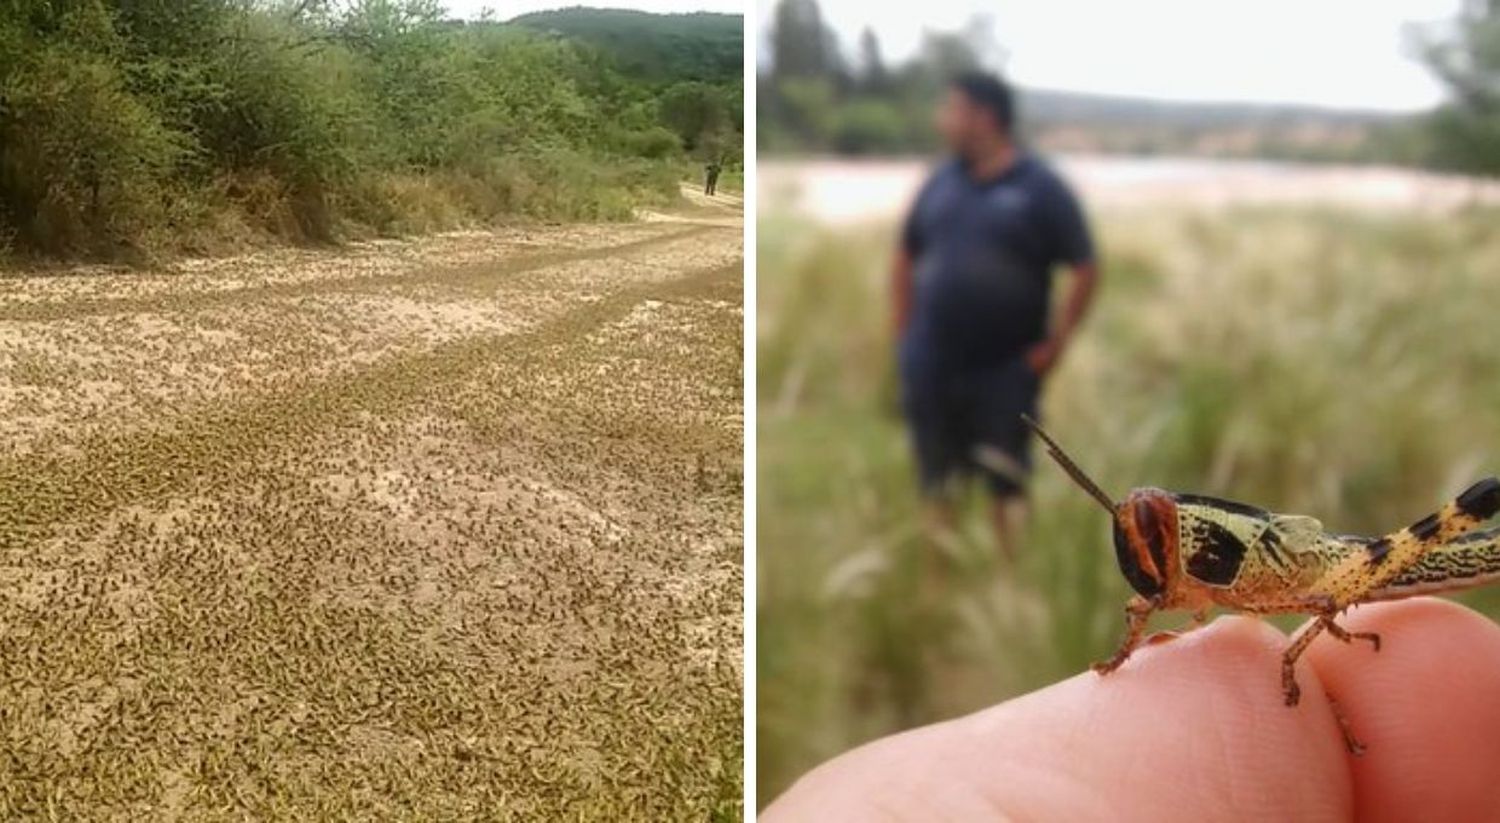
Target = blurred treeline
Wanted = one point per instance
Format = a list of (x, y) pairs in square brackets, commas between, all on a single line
[(820, 95), (814, 97), (129, 125)]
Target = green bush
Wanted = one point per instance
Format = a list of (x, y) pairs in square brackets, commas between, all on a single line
[(697, 111), (655, 143), (869, 127), (128, 124), (84, 165), (561, 184)]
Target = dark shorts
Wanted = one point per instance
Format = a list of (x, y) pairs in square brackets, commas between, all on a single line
[(969, 422)]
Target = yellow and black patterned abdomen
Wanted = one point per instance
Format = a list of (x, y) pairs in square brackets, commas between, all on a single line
[(1468, 561)]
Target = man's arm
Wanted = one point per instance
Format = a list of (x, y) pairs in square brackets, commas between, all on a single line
[(1044, 355), (903, 267), (901, 287), (1073, 246)]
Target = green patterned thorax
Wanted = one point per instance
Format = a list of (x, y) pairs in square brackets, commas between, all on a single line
[(1247, 554)]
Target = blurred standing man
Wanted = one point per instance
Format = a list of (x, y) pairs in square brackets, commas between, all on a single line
[(711, 177), (973, 284)]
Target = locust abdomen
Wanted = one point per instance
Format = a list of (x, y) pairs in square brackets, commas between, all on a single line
[(1462, 563)]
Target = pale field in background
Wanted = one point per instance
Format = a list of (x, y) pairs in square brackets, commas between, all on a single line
[(843, 191)]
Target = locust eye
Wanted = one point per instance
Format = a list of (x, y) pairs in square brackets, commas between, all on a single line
[(1145, 526)]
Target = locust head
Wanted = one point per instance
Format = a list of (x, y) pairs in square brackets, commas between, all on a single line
[(1145, 525), (1146, 539)]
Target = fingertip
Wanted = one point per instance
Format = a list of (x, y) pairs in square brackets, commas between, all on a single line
[(1184, 730), (1426, 706), (1206, 708), (1232, 640)]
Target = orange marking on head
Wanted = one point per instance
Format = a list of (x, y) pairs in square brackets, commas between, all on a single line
[(1148, 518)]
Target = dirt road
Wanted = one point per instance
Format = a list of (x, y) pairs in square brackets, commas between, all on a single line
[(440, 529)]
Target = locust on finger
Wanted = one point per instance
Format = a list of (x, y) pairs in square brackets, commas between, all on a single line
[(1193, 552)]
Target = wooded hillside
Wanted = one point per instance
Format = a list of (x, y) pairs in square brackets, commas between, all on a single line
[(129, 125)]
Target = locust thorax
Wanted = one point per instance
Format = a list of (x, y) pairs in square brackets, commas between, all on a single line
[(1146, 539)]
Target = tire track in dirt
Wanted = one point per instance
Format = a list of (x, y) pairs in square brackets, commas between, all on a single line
[(489, 575), (206, 447), (135, 370), (481, 272)]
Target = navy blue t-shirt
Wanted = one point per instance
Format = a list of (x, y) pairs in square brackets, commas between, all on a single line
[(983, 253)]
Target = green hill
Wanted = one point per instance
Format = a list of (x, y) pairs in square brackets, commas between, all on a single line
[(662, 47)]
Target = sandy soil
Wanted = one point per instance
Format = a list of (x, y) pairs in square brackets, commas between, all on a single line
[(439, 529)]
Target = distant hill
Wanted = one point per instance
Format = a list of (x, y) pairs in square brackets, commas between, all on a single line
[(1073, 121), (702, 45), (1051, 106)]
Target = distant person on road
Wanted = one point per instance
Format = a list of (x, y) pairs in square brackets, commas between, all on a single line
[(972, 289), (711, 177)]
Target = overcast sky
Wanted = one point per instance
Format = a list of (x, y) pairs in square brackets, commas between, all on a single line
[(506, 9), (1332, 52)]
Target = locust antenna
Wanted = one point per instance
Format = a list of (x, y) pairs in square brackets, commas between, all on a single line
[(1069, 466)]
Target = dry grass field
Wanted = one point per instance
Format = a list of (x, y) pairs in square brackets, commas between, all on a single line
[(438, 529), (1318, 359)]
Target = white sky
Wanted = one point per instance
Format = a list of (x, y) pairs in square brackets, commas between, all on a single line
[(506, 9), (1347, 53)]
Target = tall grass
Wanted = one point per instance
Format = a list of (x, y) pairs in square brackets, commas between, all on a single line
[(1339, 365)]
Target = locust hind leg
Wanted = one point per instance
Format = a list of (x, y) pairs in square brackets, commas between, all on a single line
[(1462, 514), (1477, 504), (1386, 558), (1289, 687), (1347, 636), (1370, 566), (1137, 611), (1321, 623), (1346, 728), (1324, 622)]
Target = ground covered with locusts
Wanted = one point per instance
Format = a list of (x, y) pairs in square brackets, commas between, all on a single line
[(435, 529)]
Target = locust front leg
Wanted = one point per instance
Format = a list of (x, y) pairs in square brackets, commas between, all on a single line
[(1167, 635), (1137, 611)]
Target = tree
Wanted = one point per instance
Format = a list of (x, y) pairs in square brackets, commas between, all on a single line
[(82, 162), (806, 108), (868, 127), (945, 54), (1466, 58), (802, 45), (695, 111), (873, 76)]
